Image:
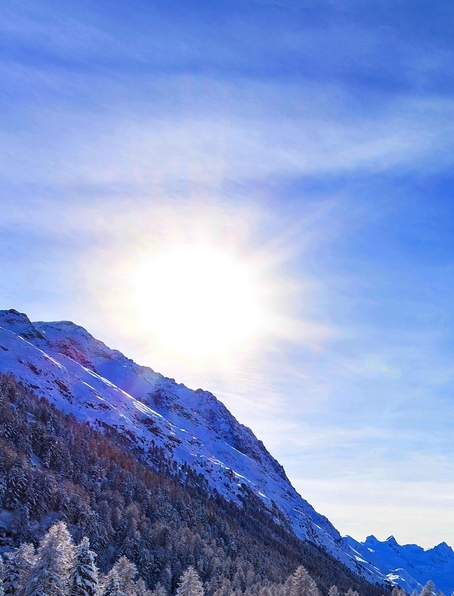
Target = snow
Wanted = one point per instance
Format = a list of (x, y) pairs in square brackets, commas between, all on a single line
[(409, 566), (80, 375), (35, 460)]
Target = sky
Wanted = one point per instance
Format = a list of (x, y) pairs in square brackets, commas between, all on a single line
[(255, 198)]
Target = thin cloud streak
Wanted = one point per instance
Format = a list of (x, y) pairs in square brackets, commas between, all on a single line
[(161, 154), (326, 155)]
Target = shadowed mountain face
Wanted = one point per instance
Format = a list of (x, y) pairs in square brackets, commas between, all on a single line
[(62, 362)]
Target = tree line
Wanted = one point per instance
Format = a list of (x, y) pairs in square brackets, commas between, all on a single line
[(58, 567)]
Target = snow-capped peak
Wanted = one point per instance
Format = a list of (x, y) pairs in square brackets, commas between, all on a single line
[(80, 374)]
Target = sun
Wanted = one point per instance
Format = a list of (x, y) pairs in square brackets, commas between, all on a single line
[(203, 291), (199, 301)]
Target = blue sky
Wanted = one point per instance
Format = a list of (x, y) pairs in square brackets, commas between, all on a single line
[(311, 142)]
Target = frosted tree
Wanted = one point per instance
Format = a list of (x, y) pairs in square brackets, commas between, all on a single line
[(11, 575), (112, 586), (141, 588), (17, 568), (190, 584), (159, 590), (333, 591), (351, 592), (51, 573), (428, 589), (302, 584), (85, 574), (398, 591), (120, 579)]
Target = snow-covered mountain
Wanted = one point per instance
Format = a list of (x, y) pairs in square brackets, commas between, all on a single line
[(62, 362), (409, 566)]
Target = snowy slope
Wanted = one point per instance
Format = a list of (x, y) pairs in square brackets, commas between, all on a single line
[(79, 374), (409, 566)]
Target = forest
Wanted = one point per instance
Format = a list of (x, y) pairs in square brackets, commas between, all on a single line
[(90, 484)]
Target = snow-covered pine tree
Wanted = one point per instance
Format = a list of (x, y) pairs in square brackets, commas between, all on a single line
[(141, 588), (159, 590), (17, 567), (351, 592), (428, 589), (190, 584), (84, 580), (120, 579), (51, 573), (398, 591), (302, 584), (333, 591), (112, 586), (11, 575)]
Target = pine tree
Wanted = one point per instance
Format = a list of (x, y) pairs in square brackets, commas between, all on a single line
[(397, 591), (51, 573), (302, 584), (85, 573), (159, 590), (17, 568), (428, 589), (333, 591), (11, 575), (190, 584), (112, 586), (120, 579), (141, 588)]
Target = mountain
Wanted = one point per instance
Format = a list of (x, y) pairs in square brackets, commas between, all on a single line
[(409, 566), (63, 363)]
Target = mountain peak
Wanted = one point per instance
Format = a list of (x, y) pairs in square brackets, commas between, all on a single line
[(19, 323), (443, 546), (409, 566), (64, 363)]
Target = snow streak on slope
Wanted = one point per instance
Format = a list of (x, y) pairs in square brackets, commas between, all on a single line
[(80, 375), (409, 566)]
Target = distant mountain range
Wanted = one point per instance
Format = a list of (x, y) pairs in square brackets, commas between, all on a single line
[(409, 566), (62, 362)]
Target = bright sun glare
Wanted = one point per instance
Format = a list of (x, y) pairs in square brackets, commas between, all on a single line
[(199, 289), (198, 300)]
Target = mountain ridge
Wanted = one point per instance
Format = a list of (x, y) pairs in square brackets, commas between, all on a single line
[(63, 362), (82, 376), (409, 565), (54, 468)]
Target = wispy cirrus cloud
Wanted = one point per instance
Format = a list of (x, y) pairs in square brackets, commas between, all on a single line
[(315, 137)]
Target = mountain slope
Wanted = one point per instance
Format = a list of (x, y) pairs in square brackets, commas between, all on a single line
[(80, 375), (54, 468)]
